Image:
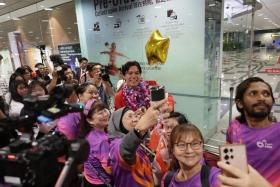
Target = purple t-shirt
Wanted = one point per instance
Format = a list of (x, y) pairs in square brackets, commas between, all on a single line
[(263, 148), (99, 149), (194, 181), (125, 175)]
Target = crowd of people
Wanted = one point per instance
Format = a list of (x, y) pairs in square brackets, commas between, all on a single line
[(135, 142)]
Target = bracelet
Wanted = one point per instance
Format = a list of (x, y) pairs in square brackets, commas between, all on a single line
[(138, 134)]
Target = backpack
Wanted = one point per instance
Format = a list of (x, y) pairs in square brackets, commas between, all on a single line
[(204, 175)]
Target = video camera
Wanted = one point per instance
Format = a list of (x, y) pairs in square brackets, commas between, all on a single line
[(24, 162), (105, 73), (57, 62), (33, 163), (36, 163)]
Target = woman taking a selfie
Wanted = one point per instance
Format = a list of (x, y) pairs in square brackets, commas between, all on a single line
[(186, 147)]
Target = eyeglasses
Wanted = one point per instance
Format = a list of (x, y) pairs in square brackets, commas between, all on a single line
[(194, 145)]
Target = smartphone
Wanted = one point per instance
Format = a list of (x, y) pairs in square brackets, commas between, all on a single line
[(44, 119), (235, 155), (157, 93)]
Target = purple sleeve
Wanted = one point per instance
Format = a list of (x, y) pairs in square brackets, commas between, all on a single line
[(233, 132), (213, 177)]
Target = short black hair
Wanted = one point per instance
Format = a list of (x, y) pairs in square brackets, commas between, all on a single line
[(90, 66), (83, 58), (129, 64), (39, 64), (56, 59), (180, 118), (34, 83)]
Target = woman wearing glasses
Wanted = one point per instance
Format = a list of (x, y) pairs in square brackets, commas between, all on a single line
[(186, 147)]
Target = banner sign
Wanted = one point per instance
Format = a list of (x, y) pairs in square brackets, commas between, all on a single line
[(70, 53)]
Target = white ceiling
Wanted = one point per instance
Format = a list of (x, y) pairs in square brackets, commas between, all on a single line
[(15, 9), (12, 5), (268, 17)]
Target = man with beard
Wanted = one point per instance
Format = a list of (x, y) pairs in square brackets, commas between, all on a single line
[(255, 128)]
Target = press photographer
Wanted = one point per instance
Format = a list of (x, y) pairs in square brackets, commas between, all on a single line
[(98, 75)]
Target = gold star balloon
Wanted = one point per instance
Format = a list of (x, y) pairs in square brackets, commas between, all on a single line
[(157, 48)]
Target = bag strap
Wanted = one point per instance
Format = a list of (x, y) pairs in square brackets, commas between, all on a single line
[(168, 178), (100, 171), (204, 176)]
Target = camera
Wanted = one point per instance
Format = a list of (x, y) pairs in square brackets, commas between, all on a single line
[(33, 163), (104, 73)]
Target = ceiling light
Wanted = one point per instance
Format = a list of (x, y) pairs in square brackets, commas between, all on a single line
[(265, 18), (157, 6), (275, 35), (2, 4), (15, 19), (49, 9), (212, 4), (110, 16)]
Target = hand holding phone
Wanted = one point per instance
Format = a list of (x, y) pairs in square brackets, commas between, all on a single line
[(241, 179), (235, 155)]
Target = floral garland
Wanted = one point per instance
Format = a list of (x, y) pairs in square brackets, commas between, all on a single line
[(136, 97)]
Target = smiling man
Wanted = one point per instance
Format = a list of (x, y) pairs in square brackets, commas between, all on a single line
[(134, 92), (255, 128)]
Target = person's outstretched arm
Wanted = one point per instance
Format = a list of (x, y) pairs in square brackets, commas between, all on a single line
[(134, 138)]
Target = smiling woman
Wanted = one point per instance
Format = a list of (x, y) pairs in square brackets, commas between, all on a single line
[(186, 147)]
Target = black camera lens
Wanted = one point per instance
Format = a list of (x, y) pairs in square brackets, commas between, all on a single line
[(231, 150), (227, 163), (231, 156), (226, 151), (226, 157)]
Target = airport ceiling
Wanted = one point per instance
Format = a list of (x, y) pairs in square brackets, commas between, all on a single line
[(36, 25), (12, 5), (266, 17)]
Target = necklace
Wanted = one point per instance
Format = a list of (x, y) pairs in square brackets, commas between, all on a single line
[(136, 97)]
